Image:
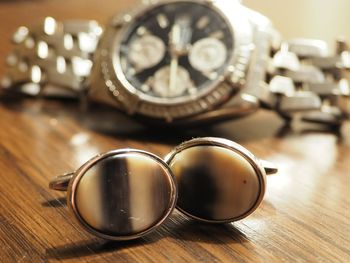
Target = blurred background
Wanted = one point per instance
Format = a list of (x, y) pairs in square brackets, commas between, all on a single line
[(293, 18), (323, 19)]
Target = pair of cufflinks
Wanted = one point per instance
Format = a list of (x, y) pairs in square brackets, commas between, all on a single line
[(125, 194)]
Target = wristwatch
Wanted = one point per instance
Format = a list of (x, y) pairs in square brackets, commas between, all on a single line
[(183, 62)]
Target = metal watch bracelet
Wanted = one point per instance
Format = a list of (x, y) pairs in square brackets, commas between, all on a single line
[(304, 80), (52, 58)]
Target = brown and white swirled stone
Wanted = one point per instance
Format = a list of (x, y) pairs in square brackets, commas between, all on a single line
[(215, 184), (125, 194)]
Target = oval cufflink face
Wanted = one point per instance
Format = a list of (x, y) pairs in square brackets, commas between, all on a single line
[(218, 180), (123, 194)]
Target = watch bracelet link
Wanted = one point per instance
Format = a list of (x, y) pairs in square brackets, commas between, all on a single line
[(307, 82), (303, 80), (52, 58)]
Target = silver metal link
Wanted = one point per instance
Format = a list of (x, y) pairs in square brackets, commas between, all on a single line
[(305, 73), (310, 83), (308, 48), (300, 101), (325, 89), (52, 58)]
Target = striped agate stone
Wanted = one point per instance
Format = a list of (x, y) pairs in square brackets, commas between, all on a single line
[(124, 195), (214, 183)]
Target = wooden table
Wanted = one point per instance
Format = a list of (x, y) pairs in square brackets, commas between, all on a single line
[(304, 217)]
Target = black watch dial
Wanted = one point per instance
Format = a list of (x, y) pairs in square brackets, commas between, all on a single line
[(176, 51)]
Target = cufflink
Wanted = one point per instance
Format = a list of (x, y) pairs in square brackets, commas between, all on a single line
[(125, 194), (120, 195), (219, 181)]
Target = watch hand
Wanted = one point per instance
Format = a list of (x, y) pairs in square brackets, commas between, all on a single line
[(185, 35), (173, 74), (180, 37), (174, 44)]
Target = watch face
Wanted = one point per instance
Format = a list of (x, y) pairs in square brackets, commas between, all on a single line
[(176, 51)]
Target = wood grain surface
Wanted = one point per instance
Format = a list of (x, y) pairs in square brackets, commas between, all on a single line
[(303, 218)]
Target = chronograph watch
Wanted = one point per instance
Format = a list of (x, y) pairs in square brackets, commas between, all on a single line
[(183, 62)]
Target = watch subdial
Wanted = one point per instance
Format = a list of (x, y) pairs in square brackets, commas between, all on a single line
[(146, 52), (207, 55), (161, 82)]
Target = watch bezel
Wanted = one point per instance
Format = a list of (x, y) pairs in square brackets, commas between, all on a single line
[(218, 92)]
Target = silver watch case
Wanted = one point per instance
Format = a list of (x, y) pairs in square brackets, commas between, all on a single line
[(223, 100)]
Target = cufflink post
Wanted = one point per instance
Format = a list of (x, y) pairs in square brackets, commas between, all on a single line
[(60, 182)]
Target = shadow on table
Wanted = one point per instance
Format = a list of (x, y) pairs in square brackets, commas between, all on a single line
[(54, 203), (176, 227), (94, 247), (306, 128), (262, 126), (184, 229), (109, 121)]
